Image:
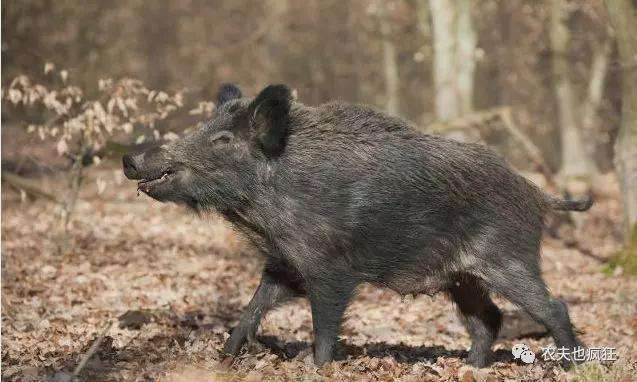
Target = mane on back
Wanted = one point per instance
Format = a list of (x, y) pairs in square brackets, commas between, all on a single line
[(347, 118)]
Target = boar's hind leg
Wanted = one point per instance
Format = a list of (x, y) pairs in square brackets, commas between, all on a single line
[(328, 301), (480, 315), (272, 291), (524, 287)]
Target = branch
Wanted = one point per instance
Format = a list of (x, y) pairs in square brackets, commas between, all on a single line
[(466, 121), (96, 345), (531, 149), (27, 185), (82, 107), (483, 118)]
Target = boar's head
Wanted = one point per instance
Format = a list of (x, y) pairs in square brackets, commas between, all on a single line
[(218, 165)]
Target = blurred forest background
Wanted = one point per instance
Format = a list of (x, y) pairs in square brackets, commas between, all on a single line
[(551, 84), (549, 72)]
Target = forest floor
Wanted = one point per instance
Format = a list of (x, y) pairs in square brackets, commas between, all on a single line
[(184, 281)]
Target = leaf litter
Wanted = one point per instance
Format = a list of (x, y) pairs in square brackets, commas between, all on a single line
[(175, 284)]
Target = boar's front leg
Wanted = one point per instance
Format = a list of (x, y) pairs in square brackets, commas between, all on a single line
[(328, 300), (276, 287)]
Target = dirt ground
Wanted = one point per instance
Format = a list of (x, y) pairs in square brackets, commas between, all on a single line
[(184, 280)]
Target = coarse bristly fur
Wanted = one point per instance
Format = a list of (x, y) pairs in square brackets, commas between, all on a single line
[(338, 195)]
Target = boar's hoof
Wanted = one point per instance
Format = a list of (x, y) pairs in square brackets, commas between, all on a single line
[(322, 359), (255, 346), (477, 360)]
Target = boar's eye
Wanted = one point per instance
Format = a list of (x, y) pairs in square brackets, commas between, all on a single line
[(223, 136)]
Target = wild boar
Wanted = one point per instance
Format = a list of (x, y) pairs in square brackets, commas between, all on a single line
[(338, 195)]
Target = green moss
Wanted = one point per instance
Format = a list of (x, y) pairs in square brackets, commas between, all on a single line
[(595, 372), (609, 268), (627, 257)]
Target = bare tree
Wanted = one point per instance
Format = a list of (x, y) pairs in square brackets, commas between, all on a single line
[(466, 40), (392, 82), (575, 163), (160, 35), (274, 44), (454, 59), (595, 91), (443, 14), (623, 15), (599, 69)]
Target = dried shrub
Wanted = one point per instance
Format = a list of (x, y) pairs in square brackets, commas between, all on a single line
[(78, 124)]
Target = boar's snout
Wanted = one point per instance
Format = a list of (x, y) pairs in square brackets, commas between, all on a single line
[(156, 175), (132, 163)]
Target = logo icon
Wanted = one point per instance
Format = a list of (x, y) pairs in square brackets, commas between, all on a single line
[(523, 353)]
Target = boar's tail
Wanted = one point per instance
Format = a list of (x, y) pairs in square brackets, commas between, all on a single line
[(568, 204)]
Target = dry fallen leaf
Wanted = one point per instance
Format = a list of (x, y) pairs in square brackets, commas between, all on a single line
[(184, 281)]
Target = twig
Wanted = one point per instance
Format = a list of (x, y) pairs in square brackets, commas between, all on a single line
[(531, 149), (76, 178), (85, 105), (96, 344)]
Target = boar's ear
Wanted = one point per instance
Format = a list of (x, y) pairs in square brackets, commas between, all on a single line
[(227, 92), (270, 112)]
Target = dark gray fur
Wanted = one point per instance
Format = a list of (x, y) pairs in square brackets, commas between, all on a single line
[(338, 195)]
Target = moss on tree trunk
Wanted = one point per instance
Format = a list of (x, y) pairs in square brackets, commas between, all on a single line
[(627, 257), (623, 16)]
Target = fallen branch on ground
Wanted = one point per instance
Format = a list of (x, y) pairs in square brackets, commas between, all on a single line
[(96, 345), (27, 185), (481, 120)]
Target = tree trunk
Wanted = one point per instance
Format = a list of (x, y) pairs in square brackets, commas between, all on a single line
[(424, 26), (599, 68), (392, 82), (443, 15), (274, 44), (159, 37), (623, 16), (576, 165), (422, 13), (454, 40), (466, 40)]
